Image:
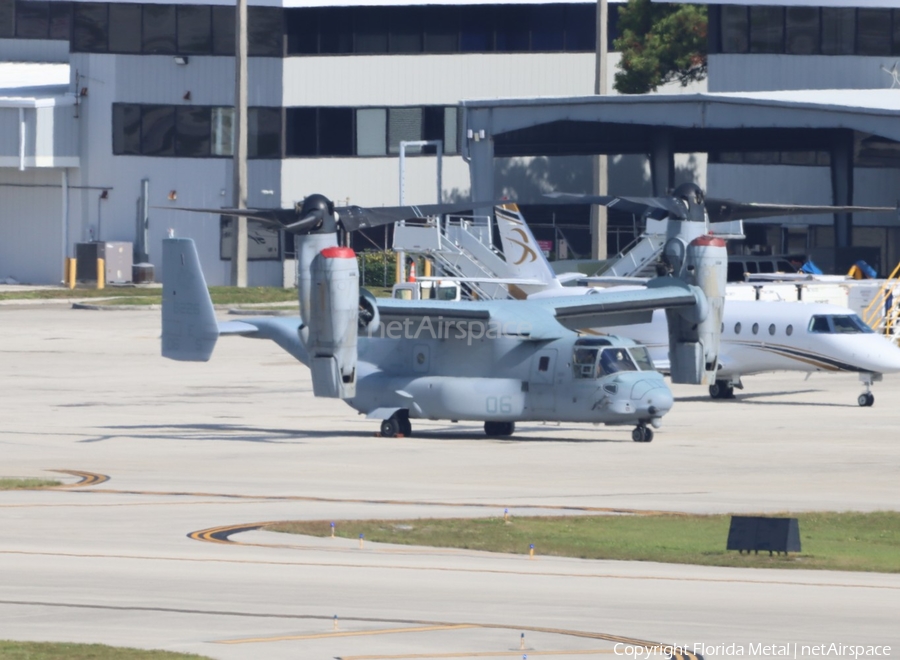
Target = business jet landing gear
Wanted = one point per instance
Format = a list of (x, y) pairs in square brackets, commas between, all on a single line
[(397, 424), (642, 433), (721, 389), (498, 429), (866, 399)]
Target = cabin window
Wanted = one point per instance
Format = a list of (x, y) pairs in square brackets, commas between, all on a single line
[(544, 363), (789, 330), (772, 329), (755, 328), (737, 328)]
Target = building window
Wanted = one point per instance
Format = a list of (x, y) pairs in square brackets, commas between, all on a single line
[(223, 30), (126, 129), (125, 28), (735, 29), (302, 132), (60, 20), (838, 30), (194, 29), (158, 130), (802, 30), (548, 28), (192, 131), (32, 19), (90, 27), (158, 30), (404, 125), (264, 133), (441, 29), (873, 31), (222, 124), (371, 132), (405, 29), (265, 32), (7, 19), (766, 29), (336, 131)]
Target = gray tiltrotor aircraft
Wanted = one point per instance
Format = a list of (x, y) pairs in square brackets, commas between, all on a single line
[(498, 362)]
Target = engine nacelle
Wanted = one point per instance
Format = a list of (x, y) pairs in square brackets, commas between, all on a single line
[(332, 322), (694, 334)]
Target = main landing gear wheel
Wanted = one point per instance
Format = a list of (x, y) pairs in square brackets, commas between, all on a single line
[(496, 429), (866, 399), (397, 424), (642, 434), (721, 389), (390, 428)]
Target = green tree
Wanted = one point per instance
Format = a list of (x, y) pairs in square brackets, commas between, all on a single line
[(660, 43)]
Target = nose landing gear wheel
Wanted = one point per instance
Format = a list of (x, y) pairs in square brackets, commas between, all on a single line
[(866, 399), (642, 434), (499, 428), (721, 390)]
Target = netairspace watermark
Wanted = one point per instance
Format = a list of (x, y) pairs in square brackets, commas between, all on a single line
[(438, 328), (762, 649)]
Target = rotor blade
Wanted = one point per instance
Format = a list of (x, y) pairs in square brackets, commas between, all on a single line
[(358, 217), (650, 207), (277, 218), (728, 209)]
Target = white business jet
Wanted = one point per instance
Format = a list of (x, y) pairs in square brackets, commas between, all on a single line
[(757, 337)]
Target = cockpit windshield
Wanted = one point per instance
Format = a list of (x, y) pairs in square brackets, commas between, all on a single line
[(642, 358), (591, 362), (838, 324)]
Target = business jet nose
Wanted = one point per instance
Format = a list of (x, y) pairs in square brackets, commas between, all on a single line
[(881, 355)]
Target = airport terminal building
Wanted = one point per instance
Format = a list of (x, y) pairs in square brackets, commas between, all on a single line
[(111, 113)]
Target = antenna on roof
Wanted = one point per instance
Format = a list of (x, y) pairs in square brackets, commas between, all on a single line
[(895, 75)]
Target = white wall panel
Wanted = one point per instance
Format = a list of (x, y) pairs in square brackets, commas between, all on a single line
[(396, 80), (31, 226)]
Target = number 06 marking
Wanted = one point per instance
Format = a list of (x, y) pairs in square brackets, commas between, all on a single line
[(503, 404)]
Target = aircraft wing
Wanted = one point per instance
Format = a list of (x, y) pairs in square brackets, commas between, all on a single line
[(491, 318), (620, 307), (489, 280), (538, 320)]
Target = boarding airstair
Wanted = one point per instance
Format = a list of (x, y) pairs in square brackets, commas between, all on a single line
[(883, 312), (634, 260), (461, 247)]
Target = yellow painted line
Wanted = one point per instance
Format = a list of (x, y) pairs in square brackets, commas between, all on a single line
[(349, 633), (87, 478), (476, 654)]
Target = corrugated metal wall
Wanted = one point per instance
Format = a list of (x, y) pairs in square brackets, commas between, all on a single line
[(31, 225), (756, 73)]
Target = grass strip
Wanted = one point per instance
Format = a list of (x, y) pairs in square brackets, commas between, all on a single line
[(63, 651), (845, 541), (26, 484)]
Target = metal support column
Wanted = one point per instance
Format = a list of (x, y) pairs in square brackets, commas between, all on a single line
[(842, 187), (662, 164)]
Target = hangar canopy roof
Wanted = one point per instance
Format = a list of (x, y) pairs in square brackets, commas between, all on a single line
[(34, 85), (804, 119)]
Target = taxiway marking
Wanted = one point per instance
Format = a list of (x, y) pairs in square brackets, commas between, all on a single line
[(350, 633)]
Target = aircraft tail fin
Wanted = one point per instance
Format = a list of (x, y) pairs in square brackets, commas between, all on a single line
[(521, 249), (189, 327)]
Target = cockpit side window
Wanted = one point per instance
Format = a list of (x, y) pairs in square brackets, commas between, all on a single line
[(613, 360), (819, 324), (642, 358), (583, 362), (850, 324), (839, 324)]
